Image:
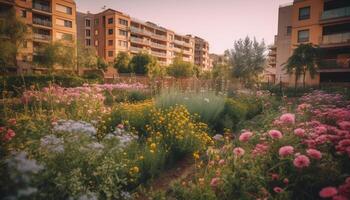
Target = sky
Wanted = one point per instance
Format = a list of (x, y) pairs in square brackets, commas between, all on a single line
[(220, 22)]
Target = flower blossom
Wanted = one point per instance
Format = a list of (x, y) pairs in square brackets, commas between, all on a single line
[(328, 192), (301, 161), (287, 118), (285, 151), (299, 132), (244, 137), (238, 151), (275, 134), (313, 153)]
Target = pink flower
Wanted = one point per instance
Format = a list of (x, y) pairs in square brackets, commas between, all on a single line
[(344, 125), (288, 118), (285, 151), (12, 121), (339, 197), (275, 134), (120, 126), (328, 192), (277, 189), (313, 153), (275, 177), (214, 182), (286, 181), (2, 129), (221, 162), (9, 135), (299, 132), (301, 161), (238, 151), (244, 137)]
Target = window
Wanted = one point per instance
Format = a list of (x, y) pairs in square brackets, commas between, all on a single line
[(122, 32), (110, 31), (64, 9), (24, 13), (87, 23), (304, 13), (110, 20), (65, 23), (96, 22), (123, 22), (110, 53), (123, 43), (303, 36), (88, 42), (289, 30), (64, 36), (87, 33), (110, 42)]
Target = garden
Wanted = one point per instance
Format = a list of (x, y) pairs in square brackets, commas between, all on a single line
[(118, 140)]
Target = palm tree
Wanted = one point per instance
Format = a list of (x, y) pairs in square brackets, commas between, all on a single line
[(304, 59)]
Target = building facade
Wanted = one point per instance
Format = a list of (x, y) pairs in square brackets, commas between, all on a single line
[(47, 20), (324, 23), (111, 32), (201, 54)]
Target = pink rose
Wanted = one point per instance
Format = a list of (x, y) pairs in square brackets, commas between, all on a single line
[(9, 135), (328, 192), (287, 118), (214, 182), (301, 161), (299, 132), (286, 151), (221, 162), (277, 189), (244, 137), (238, 151), (275, 134), (313, 153)]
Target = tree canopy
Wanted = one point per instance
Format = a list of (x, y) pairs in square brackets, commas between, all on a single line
[(180, 68), (143, 63), (121, 63)]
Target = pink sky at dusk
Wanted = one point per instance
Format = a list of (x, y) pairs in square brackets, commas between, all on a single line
[(218, 21)]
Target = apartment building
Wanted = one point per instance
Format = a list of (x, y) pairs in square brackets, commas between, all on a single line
[(47, 20), (269, 73), (325, 23), (111, 32), (201, 54)]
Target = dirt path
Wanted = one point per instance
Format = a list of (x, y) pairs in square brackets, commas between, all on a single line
[(180, 171)]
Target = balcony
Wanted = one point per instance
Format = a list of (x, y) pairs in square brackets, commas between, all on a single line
[(336, 13), (161, 37), (159, 54), (42, 22), (41, 37), (336, 38), (334, 64), (41, 7), (157, 45), (140, 31), (183, 43), (136, 49), (139, 40)]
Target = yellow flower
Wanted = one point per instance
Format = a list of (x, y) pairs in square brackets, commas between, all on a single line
[(196, 155), (201, 181), (141, 157), (153, 146)]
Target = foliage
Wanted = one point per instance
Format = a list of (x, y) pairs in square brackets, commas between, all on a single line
[(247, 59), (142, 63), (180, 68), (87, 57), (13, 33), (304, 59), (102, 64), (121, 63)]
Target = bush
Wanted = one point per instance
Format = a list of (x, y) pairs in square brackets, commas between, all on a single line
[(17, 84)]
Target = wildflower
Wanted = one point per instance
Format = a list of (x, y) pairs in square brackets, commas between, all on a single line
[(299, 132), (344, 125), (301, 161), (328, 192), (275, 134), (214, 182), (287, 118), (277, 189), (153, 146), (275, 177), (120, 126), (135, 170), (201, 181), (218, 137), (285, 151), (286, 181), (196, 155), (9, 135), (221, 162), (238, 151), (12, 121), (244, 137), (313, 153), (141, 158)]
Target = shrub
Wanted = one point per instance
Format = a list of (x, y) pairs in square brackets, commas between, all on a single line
[(17, 84)]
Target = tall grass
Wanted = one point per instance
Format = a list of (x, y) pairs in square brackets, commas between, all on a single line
[(206, 104)]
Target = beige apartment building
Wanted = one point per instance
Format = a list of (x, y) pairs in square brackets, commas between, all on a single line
[(111, 32), (48, 21), (201, 54), (324, 23)]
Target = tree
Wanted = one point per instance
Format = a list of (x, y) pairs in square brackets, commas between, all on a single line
[(304, 59), (180, 68), (101, 64), (87, 57), (55, 53), (142, 63), (13, 33), (121, 63), (247, 59)]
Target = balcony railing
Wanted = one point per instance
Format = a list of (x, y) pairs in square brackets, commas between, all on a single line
[(158, 54), (336, 38), (42, 7), (136, 49), (336, 13), (158, 45), (334, 64), (183, 43), (139, 40), (42, 22), (162, 37), (141, 31), (42, 37)]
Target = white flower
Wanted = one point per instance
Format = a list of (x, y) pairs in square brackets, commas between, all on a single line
[(96, 146), (27, 192), (218, 137), (52, 143), (206, 100), (88, 196), (75, 127)]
